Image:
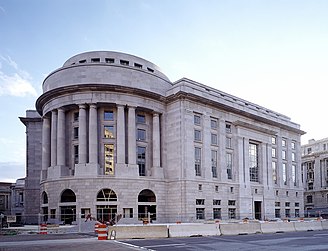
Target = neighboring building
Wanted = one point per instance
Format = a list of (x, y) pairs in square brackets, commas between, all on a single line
[(315, 177), (118, 137), (12, 201)]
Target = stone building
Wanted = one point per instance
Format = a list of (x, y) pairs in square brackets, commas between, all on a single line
[(315, 177), (116, 136)]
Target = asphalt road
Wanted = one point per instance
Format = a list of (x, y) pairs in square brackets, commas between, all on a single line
[(300, 241)]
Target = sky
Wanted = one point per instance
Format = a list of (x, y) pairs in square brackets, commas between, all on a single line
[(273, 53)]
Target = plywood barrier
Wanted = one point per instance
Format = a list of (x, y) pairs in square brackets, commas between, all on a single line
[(240, 228), (187, 230), (276, 227), (140, 232)]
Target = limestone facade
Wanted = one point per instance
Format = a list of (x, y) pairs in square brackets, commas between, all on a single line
[(315, 177), (118, 137)]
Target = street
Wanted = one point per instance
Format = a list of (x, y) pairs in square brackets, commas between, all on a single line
[(300, 241)]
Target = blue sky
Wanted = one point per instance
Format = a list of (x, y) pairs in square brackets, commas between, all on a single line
[(272, 53)]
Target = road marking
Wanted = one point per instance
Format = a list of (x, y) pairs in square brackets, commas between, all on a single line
[(166, 245), (132, 246)]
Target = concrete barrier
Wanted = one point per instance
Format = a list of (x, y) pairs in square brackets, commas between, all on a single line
[(187, 230), (277, 227), (140, 232), (308, 226), (240, 228), (324, 224)]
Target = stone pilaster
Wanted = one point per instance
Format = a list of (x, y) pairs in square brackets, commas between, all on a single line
[(45, 147), (120, 135), (132, 135), (82, 135), (53, 139), (93, 134), (61, 138)]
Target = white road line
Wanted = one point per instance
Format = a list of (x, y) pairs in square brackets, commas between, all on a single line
[(167, 245), (133, 246)]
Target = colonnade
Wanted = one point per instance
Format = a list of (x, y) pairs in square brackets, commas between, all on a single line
[(53, 137)]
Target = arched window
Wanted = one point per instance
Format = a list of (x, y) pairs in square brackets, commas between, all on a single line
[(146, 195), (68, 196), (44, 198), (106, 195)]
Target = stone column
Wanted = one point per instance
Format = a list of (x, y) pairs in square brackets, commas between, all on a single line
[(156, 141), (120, 135), (53, 138), (61, 150), (82, 135), (93, 134), (45, 147), (132, 136)]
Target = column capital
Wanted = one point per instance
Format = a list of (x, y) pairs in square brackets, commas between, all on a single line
[(82, 106), (93, 106), (155, 114)]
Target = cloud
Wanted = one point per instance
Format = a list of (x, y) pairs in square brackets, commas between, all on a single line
[(16, 84), (11, 171)]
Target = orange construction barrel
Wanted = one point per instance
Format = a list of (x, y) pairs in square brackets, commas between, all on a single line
[(102, 232), (43, 229)]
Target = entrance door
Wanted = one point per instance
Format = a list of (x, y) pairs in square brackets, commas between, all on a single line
[(257, 208)]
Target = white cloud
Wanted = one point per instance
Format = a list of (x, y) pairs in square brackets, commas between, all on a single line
[(15, 84)]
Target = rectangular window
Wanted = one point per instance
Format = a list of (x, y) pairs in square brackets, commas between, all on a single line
[(127, 212), (284, 173), (124, 62), (274, 140), (283, 154), (197, 120), (197, 135), (228, 142), (76, 154), (253, 162), (149, 69), (309, 199), (141, 118), (293, 156), (287, 213), (200, 187), (109, 132), (297, 213), (200, 213), (216, 213), (232, 213), (108, 115), (198, 158), (138, 65), (274, 153), (76, 116), (283, 143), (229, 165), (76, 132), (109, 60), (141, 134), (95, 60), (228, 128), (109, 159), (277, 213), (214, 139), (216, 202), (293, 145), (214, 124), (277, 204), (214, 163), (294, 174), (297, 204), (200, 202), (287, 204), (141, 160), (231, 203), (274, 172)]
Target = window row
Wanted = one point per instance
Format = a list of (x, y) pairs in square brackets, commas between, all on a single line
[(214, 123)]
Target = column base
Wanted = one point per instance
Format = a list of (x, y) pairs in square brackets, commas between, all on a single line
[(86, 170), (157, 172), (55, 172), (126, 170), (44, 175)]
